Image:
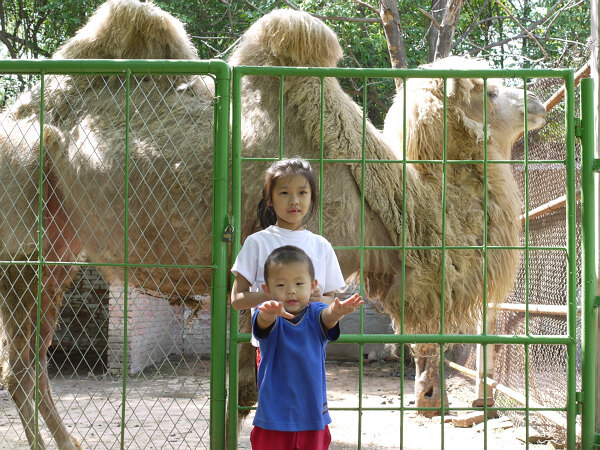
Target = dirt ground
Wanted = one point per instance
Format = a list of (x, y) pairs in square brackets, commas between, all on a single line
[(169, 408)]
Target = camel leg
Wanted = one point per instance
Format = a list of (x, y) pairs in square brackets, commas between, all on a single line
[(18, 283), (427, 379), (51, 298)]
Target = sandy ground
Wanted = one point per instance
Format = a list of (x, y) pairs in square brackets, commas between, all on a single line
[(169, 408)]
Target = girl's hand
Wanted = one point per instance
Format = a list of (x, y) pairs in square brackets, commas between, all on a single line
[(315, 296), (274, 308), (345, 307)]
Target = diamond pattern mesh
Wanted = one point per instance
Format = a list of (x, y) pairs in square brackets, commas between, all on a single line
[(164, 223), (547, 278)]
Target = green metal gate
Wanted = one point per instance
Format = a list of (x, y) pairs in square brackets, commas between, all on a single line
[(577, 400), (130, 75), (131, 106)]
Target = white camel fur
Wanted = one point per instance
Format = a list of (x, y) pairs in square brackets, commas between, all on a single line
[(171, 148)]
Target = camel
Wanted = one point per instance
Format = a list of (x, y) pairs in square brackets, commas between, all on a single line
[(287, 38), (171, 144)]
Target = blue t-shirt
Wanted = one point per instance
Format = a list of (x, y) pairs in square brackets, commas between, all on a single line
[(292, 384)]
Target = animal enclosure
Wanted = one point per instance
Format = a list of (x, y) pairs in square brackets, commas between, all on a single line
[(124, 165)]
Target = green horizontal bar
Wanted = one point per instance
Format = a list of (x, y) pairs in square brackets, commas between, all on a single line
[(100, 264), (443, 339), (446, 247), (418, 161), (399, 73), (113, 67), (428, 408), (446, 409)]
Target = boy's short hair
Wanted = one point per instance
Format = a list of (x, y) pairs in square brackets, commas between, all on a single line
[(286, 255)]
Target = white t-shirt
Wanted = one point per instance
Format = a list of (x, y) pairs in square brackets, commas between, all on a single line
[(258, 246)]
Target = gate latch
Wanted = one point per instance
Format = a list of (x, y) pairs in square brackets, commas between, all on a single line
[(578, 130), (579, 402), (228, 234)]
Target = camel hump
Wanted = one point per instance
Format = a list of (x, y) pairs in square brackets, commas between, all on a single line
[(129, 29), (288, 38)]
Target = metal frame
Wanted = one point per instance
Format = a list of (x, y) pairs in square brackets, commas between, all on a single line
[(221, 74), (569, 340)]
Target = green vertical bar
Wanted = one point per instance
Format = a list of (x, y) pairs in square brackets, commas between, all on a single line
[(526, 158), (40, 264), (236, 211), (362, 257), (125, 254), (321, 155), (220, 220), (443, 260), (588, 320), (485, 259), (403, 288), (571, 211)]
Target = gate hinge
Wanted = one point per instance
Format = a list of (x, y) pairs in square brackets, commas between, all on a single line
[(597, 440), (578, 127), (579, 402), (596, 165), (596, 302)]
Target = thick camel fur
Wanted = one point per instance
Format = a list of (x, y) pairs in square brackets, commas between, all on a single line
[(170, 181), (276, 40)]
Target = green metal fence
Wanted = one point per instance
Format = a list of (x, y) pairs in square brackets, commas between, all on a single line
[(117, 122), (574, 397), (135, 79)]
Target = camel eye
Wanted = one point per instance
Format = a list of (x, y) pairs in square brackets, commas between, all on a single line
[(493, 93)]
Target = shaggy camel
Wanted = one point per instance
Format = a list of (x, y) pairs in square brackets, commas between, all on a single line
[(296, 39), (170, 144)]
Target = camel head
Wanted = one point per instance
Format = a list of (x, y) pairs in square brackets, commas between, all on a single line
[(465, 115)]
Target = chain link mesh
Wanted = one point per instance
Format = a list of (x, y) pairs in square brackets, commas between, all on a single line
[(168, 237)]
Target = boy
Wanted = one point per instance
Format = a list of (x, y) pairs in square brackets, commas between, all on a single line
[(292, 333)]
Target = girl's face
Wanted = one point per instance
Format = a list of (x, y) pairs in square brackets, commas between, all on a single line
[(290, 198)]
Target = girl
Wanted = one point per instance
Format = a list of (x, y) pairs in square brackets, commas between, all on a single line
[(289, 195)]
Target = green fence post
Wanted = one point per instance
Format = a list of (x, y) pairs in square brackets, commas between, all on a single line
[(588, 343), (220, 262)]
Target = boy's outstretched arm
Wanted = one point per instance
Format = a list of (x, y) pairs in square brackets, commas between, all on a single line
[(268, 312), (338, 309)]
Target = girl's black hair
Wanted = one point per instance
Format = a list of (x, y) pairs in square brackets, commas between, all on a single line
[(284, 168)]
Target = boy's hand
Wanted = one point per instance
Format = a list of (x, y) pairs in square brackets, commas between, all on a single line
[(274, 308), (345, 307)]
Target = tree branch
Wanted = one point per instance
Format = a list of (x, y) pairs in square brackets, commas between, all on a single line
[(447, 28), (430, 17), (533, 26), (531, 36), (335, 18)]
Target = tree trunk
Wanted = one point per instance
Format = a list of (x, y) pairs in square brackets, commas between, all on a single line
[(447, 28), (437, 9), (388, 10)]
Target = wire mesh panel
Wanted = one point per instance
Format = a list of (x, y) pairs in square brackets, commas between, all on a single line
[(117, 170), (399, 214)]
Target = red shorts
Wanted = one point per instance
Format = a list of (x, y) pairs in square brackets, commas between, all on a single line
[(262, 439)]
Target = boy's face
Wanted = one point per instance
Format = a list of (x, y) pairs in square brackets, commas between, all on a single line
[(291, 285)]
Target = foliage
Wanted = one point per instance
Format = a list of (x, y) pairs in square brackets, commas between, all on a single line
[(486, 28)]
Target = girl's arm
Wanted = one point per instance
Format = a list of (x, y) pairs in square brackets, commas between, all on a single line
[(326, 298), (242, 298), (338, 309)]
